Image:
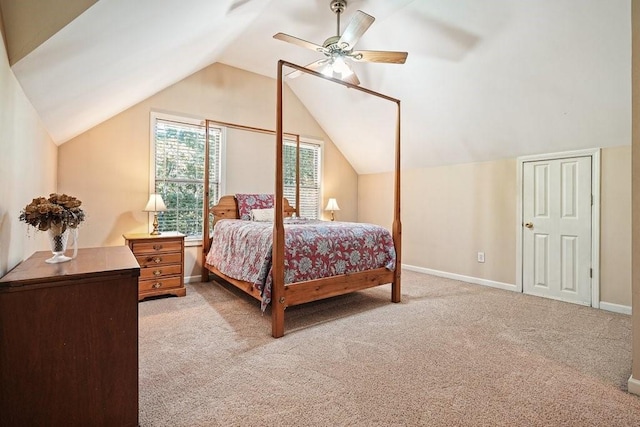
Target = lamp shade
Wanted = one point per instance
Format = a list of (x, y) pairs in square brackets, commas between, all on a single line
[(332, 205), (337, 66), (155, 203)]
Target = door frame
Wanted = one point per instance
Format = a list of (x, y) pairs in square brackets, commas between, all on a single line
[(595, 214)]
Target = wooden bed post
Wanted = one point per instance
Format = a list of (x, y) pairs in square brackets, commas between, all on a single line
[(278, 302), (205, 225), (397, 224), (298, 176)]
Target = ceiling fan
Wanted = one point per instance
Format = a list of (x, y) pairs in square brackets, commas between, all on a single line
[(338, 49)]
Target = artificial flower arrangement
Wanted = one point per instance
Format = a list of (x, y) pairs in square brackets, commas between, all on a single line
[(57, 213)]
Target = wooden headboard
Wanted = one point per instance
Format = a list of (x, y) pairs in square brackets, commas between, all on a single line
[(227, 208)]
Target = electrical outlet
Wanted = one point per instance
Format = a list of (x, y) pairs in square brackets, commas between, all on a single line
[(480, 256)]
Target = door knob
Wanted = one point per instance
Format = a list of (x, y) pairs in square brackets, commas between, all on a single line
[(529, 225)]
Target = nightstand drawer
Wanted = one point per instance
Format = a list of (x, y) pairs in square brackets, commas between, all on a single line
[(151, 260), (160, 257), (159, 284), (156, 247), (161, 270)]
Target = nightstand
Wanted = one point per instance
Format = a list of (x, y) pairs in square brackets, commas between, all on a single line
[(161, 259)]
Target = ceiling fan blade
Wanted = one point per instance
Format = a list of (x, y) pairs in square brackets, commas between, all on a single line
[(314, 66), (379, 56), (356, 28), (299, 42)]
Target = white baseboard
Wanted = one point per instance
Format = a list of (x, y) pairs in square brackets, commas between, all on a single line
[(469, 279), (192, 279), (608, 306), (616, 308), (633, 385)]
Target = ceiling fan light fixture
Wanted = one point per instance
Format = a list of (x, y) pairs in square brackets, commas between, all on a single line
[(341, 67), (327, 70), (337, 67), (347, 73), (338, 48)]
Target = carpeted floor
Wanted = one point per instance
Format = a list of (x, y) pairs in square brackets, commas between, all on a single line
[(451, 354)]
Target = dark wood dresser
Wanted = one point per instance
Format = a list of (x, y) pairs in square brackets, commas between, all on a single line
[(69, 340)]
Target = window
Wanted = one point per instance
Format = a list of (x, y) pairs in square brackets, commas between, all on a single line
[(178, 171), (309, 177), (177, 163)]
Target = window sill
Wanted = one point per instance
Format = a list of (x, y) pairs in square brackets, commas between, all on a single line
[(194, 242)]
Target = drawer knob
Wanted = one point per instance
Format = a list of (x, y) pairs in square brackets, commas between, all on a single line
[(157, 260), (157, 285), (157, 247), (157, 272)]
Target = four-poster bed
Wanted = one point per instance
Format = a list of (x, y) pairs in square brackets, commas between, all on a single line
[(299, 292)]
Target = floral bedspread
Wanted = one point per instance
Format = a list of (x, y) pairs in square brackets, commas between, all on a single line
[(313, 249)]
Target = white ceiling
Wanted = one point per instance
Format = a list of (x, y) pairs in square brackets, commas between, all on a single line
[(484, 79)]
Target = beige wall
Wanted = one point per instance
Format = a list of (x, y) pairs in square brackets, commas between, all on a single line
[(451, 213), (635, 185), (261, 178), (615, 223), (27, 168), (108, 166)]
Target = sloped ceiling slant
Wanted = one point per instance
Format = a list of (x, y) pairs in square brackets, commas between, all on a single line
[(484, 79), (119, 52)]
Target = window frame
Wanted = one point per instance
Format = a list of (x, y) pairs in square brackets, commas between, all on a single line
[(320, 143), (197, 121), (192, 121)]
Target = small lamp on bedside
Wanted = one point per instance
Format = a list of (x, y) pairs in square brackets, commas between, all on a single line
[(155, 205), (332, 205)]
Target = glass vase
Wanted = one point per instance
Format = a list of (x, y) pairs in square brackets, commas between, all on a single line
[(58, 241)]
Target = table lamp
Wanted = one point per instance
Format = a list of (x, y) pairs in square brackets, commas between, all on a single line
[(155, 205), (332, 205)]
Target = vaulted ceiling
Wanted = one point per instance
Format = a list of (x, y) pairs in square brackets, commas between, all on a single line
[(484, 79)]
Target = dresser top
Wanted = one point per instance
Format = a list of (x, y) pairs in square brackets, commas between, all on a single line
[(164, 234), (90, 262)]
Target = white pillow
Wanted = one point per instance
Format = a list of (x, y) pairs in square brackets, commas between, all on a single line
[(266, 214)]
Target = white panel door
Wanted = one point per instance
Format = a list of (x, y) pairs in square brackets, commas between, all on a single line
[(556, 220)]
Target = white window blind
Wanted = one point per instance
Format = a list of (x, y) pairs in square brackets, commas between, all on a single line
[(309, 177), (179, 150)]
